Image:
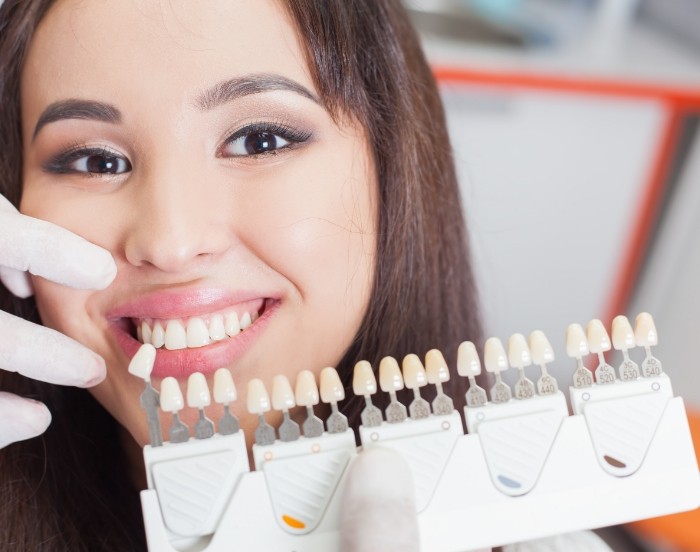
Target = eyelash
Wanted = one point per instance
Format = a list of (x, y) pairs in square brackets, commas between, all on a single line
[(60, 164)]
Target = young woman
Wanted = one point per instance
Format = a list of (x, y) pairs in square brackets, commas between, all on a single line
[(284, 164)]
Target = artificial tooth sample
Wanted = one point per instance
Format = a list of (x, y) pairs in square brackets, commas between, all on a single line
[(390, 381), (283, 400), (519, 356), (225, 393), (259, 403), (496, 362), (542, 354), (175, 336), (645, 336), (438, 373), (598, 343), (414, 378), (146, 334), (364, 384), (171, 401), (469, 366), (623, 340), (197, 333), (158, 335), (141, 366), (217, 331), (306, 393), (332, 392), (198, 397), (232, 325), (246, 321), (577, 347)]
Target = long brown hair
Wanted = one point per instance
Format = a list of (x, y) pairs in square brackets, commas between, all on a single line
[(68, 489)]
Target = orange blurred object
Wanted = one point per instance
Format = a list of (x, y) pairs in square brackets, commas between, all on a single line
[(678, 531)]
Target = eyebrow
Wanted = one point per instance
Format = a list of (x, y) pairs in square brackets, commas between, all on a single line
[(77, 109), (232, 89)]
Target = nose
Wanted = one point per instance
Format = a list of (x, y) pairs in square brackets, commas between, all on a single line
[(176, 224)]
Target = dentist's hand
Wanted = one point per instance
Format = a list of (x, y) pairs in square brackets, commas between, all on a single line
[(379, 508), (29, 245)]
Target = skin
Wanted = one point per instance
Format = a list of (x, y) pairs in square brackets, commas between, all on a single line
[(297, 225)]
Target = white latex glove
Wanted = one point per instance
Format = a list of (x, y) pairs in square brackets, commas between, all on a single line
[(378, 512), (29, 245)]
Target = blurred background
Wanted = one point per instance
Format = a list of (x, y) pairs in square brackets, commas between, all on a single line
[(575, 130)]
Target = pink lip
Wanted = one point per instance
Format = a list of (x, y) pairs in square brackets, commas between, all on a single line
[(170, 305)]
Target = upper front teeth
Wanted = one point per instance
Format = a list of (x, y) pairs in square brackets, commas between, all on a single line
[(196, 333)]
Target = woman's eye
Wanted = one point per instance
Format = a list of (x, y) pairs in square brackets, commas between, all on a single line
[(99, 161), (255, 143)]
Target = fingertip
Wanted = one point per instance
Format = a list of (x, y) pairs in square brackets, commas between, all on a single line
[(95, 373), (17, 282)]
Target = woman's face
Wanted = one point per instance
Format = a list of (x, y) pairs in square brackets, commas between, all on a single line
[(191, 143)]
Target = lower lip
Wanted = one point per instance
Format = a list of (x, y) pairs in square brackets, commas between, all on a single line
[(183, 362)]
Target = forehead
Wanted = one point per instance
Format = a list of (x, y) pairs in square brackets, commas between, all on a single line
[(157, 48)]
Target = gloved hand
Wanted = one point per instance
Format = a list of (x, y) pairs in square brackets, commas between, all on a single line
[(29, 245), (378, 512)]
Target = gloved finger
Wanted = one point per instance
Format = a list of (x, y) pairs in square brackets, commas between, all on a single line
[(378, 511), (19, 283), (46, 250), (47, 355), (21, 419)]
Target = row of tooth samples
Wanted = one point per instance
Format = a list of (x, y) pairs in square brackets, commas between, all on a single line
[(196, 332), (596, 340)]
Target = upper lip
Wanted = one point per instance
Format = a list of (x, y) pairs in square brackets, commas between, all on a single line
[(181, 303)]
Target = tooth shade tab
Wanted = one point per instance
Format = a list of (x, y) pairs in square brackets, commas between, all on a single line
[(436, 367), (518, 352), (622, 334), (495, 357), (414, 375), (306, 390), (141, 364), (171, 399), (258, 401), (541, 349), (468, 362), (576, 341), (364, 382), (282, 394), (598, 338), (158, 335), (332, 390), (198, 391), (224, 388), (390, 378), (645, 330), (175, 336)]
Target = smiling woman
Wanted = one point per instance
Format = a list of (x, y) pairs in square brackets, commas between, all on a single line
[(273, 181)]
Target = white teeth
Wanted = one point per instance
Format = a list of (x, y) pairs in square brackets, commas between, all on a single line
[(197, 391), (139, 334), (645, 330), (146, 336), (598, 339), (158, 335), (414, 375), (576, 342), (197, 333), (282, 395), (141, 364), (331, 388), (436, 367), (175, 336), (306, 391), (495, 357), (542, 352), (232, 326), (390, 378), (519, 354), (363, 381), (246, 321), (622, 334), (217, 332), (258, 399), (224, 388), (171, 395), (468, 363)]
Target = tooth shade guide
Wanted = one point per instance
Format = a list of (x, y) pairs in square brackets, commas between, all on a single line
[(283, 399), (332, 391), (438, 372), (414, 377), (364, 384), (390, 381), (306, 395)]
